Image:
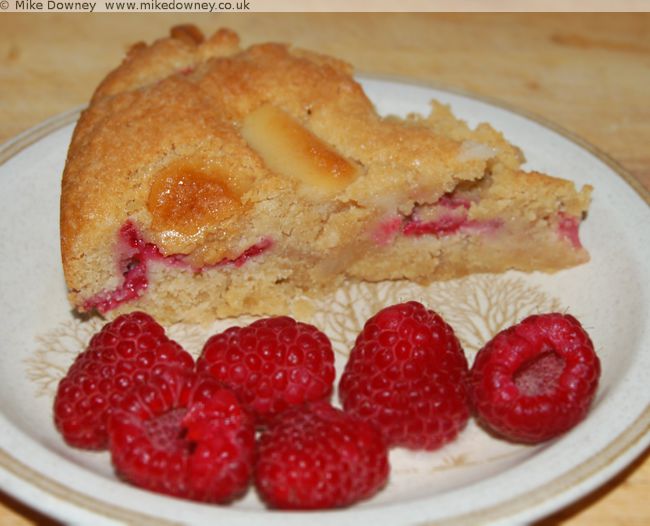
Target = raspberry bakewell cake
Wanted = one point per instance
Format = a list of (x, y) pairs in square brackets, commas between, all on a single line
[(207, 181)]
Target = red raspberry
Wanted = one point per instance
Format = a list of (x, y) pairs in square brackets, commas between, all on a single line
[(535, 380), (317, 456), (130, 350), (272, 364), (407, 374), (184, 435)]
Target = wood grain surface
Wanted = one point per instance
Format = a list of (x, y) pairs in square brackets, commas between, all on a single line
[(588, 73)]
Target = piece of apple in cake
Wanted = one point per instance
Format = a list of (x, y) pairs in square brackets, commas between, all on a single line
[(206, 181)]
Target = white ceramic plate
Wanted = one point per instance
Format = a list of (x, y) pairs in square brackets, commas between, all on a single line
[(475, 478)]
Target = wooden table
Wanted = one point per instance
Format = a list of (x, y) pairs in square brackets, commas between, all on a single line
[(588, 73)]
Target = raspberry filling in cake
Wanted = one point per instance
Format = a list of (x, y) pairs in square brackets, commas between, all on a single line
[(135, 256), (445, 217), (568, 229), (449, 216)]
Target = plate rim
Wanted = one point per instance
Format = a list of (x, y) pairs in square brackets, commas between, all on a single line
[(538, 502)]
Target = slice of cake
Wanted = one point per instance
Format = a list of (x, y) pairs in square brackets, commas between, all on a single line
[(208, 181)]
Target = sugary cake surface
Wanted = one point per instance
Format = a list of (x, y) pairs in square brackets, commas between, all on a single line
[(207, 181)]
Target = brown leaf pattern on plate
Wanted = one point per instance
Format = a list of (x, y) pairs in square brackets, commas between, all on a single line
[(461, 460), (56, 350), (480, 306), (343, 314), (477, 307)]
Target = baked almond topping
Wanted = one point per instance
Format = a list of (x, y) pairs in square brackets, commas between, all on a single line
[(186, 197), (290, 149)]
